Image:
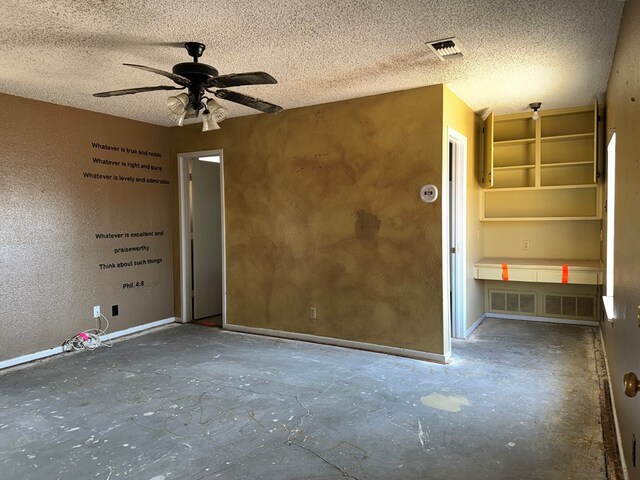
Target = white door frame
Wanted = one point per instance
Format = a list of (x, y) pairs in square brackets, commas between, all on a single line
[(186, 307), (458, 276)]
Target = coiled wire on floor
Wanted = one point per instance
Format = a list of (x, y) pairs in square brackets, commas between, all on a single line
[(89, 339)]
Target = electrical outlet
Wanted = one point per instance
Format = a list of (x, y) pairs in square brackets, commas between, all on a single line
[(526, 244), (313, 313), (114, 310), (96, 311)]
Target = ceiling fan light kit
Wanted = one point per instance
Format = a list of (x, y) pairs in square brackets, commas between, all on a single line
[(217, 111), (177, 104), (209, 123), (212, 114), (199, 78)]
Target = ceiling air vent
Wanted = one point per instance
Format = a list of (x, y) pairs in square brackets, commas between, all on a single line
[(446, 49)]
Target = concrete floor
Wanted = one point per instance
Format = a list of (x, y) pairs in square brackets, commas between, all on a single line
[(519, 401)]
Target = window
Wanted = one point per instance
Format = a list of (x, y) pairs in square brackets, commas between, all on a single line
[(611, 208)]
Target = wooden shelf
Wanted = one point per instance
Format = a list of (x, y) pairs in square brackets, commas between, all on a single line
[(571, 121), (537, 189), (565, 164), (514, 167), (518, 129), (539, 219), (519, 141), (544, 169), (564, 138)]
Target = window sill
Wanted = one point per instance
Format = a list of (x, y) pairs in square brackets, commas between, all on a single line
[(608, 307)]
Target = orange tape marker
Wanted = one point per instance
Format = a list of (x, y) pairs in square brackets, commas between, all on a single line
[(565, 273), (505, 272)]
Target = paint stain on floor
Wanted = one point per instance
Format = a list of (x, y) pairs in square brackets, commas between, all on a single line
[(446, 403)]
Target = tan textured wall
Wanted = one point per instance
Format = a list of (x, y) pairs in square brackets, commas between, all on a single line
[(622, 338), (461, 118), (49, 254), (322, 209)]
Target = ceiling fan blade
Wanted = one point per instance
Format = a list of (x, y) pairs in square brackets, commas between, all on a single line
[(239, 79), (180, 80), (252, 102), (129, 91)]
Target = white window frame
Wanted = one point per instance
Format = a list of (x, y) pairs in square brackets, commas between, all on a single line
[(607, 299)]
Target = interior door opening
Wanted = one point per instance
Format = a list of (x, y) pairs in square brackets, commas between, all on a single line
[(457, 167), (202, 258), (452, 239)]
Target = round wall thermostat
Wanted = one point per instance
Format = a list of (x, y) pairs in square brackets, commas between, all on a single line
[(429, 193)]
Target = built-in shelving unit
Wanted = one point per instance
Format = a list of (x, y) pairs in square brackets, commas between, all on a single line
[(542, 170)]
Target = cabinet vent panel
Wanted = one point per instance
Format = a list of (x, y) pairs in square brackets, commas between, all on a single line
[(522, 303), (586, 307), (570, 306), (498, 301)]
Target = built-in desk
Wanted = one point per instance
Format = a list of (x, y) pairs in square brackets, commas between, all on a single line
[(581, 272)]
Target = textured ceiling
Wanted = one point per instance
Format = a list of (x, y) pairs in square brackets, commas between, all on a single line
[(516, 51)]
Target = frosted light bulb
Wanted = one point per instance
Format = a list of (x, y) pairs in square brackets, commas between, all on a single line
[(535, 106)]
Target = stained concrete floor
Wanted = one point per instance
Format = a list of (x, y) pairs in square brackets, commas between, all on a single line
[(519, 401)]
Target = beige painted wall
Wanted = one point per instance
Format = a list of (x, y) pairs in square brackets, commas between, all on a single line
[(51, 213), (570, 240), (461, 118), (622, 338), (322, 209)]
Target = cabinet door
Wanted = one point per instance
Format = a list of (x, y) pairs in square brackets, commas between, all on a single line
[(596, 142), (487, 174)]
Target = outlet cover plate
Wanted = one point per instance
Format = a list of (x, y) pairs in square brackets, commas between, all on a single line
[(96, 311)]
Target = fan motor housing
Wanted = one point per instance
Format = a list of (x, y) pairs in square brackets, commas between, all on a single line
[(193, 70)]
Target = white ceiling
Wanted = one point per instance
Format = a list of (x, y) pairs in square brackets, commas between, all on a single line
[(558, 52)]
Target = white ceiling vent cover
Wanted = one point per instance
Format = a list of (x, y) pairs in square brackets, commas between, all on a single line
[(446, 49)]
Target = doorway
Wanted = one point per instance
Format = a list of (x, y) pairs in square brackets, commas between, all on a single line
[(202, 255), (457, 167)]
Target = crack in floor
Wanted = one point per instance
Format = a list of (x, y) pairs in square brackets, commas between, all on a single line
[(337, 467), (300, 422)]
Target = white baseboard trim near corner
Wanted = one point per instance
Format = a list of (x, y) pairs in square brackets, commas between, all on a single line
[(11, 362), (138, 328), (475, 325), (532, 318), (625, 471), (338, 342)]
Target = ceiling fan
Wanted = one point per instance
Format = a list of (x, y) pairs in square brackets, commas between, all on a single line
[(199, 78)]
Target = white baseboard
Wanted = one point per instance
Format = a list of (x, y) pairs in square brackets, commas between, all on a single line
[(475, 325), (625, 471), (138, 328), (532, 318), (56, 350), (338, 342), (30, 357)]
